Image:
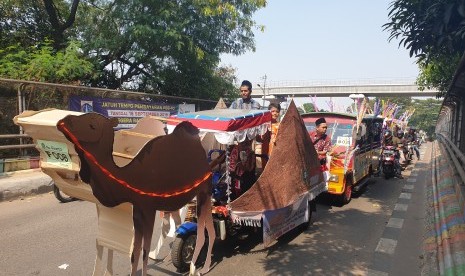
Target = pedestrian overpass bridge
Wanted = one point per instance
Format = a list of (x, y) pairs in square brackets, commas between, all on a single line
[(370, 88)]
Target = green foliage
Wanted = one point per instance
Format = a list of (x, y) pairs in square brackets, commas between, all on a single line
[(22, 22), (43, 64), (159, 46), (434, 32), (438, 73), (426, 115), (166, 46)]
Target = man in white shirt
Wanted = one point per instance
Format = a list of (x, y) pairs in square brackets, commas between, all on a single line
[(245, 101)]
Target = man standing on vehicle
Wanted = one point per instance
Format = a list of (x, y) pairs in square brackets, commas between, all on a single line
[(321, 141), (245, 101), (242, 161)]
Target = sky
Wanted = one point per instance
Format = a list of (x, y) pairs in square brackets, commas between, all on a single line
[(323, 40)]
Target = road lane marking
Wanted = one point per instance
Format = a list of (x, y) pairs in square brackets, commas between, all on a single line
[(401, 207), (412, 180), (371, 272), (395, 223), (408, 187), (405, 195), (413, 174), (387, 246)]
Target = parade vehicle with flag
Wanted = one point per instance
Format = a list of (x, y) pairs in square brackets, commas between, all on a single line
[(356, 147), (281, 199)]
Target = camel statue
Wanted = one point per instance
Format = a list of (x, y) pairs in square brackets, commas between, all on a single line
[(167, 173)]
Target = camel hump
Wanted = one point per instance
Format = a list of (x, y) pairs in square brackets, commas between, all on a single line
[(186, 127)]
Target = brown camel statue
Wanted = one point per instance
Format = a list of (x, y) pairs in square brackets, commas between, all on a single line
[(167, 173)]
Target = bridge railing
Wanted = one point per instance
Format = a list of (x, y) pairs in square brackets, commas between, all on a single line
[(448, 181), (455, 154)]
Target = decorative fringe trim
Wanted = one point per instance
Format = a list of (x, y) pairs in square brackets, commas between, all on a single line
[(247, 221)]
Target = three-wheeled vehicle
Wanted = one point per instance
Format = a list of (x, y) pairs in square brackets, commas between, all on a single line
[(283, 196), (355, 150)]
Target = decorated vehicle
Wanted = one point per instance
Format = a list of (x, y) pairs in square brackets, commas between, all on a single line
[(283, 196), (355, 152), (128, 174)]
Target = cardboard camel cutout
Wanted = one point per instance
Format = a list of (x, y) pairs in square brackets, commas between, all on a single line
[(167, 173)]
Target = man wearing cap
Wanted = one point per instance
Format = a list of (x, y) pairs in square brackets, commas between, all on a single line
[(245, 101), (321, 141)]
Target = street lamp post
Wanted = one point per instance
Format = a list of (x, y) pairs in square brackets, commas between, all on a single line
[(263, 88)]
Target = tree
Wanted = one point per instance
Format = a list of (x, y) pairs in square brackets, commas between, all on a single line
[(31, 22), (171, 47), (159, 46), (44, 64), (426, 115), (434, 32)]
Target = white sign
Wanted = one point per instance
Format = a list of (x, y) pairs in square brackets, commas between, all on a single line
[(55, 153), (344, 141), (186, 108), (280, 221)]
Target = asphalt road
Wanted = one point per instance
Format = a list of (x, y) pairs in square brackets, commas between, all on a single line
[(380, 232)]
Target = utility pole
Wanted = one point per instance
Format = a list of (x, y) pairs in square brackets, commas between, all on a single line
[(263, 89)]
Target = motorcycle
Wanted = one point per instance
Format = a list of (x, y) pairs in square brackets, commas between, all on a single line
[(408, 154), (419, 142), (388, 160)]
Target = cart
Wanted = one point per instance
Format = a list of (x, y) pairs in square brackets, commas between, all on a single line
[(283, 196)]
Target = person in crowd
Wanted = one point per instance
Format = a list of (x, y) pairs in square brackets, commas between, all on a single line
[(269, 139), (242, 161), (411, 137), (155, 254), (321, 141), (395, 141), (242, 168), (245, 101)]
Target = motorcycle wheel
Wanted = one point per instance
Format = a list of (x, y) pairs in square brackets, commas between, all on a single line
[(182, 251), (62, 197)]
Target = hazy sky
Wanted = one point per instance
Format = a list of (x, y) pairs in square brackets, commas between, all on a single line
[(323, 40)]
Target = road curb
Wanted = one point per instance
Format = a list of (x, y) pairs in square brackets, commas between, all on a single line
[(19, 184)]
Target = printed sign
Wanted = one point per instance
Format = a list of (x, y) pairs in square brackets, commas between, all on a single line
[(55, 153), (128, 112), (186, 108), (344, 141), (280, 221)]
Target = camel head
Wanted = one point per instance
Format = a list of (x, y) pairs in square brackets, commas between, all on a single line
[(88, 128)]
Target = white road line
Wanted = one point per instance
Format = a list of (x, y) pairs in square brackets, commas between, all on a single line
[(413, 174), (408, 187), (387, 246), (412, 180), (401, 207), (371, 272), (405, 195), (395, 223)]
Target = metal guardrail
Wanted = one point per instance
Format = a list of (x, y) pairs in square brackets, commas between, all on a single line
[(458, 158), (18, 136)]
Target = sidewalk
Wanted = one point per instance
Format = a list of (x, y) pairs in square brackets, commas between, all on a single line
[(18, 184)]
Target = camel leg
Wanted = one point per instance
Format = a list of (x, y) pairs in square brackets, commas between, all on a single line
[(199, 242), (204, 220), (208, 224), (137, 218), (149, 220)]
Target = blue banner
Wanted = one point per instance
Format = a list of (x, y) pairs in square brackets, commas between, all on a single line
[(128, 112)]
